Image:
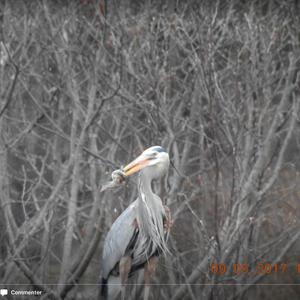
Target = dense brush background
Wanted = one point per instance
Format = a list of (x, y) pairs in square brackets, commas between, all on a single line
[(86, 86)]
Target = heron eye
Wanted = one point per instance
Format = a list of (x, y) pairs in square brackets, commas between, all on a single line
[(152, 155)]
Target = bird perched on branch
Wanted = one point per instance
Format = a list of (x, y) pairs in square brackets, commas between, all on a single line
[(139, 234)]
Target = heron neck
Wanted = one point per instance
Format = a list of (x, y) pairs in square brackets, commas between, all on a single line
[(149, 201), (150, 210), (150, 213), (145, 186)]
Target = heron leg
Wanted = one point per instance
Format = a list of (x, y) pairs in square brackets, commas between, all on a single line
[(149, 270), (124, 269), (168, 222)]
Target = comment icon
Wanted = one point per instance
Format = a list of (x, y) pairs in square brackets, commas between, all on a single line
[(3, 292)]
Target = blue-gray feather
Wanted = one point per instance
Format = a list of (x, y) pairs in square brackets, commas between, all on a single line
[(118, 238)]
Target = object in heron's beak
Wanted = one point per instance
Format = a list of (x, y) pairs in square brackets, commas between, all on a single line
[(118, 178)]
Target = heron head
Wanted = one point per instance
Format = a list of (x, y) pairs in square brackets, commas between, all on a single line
[(154, 159)]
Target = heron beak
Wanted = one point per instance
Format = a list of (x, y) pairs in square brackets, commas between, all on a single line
[(136, 165)]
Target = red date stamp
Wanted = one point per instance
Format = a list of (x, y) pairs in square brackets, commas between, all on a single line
[(264, 268)]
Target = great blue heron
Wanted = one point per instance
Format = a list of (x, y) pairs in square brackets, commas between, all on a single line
[(138, 235)]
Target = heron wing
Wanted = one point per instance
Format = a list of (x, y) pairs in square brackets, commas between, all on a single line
[(118, 239)]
